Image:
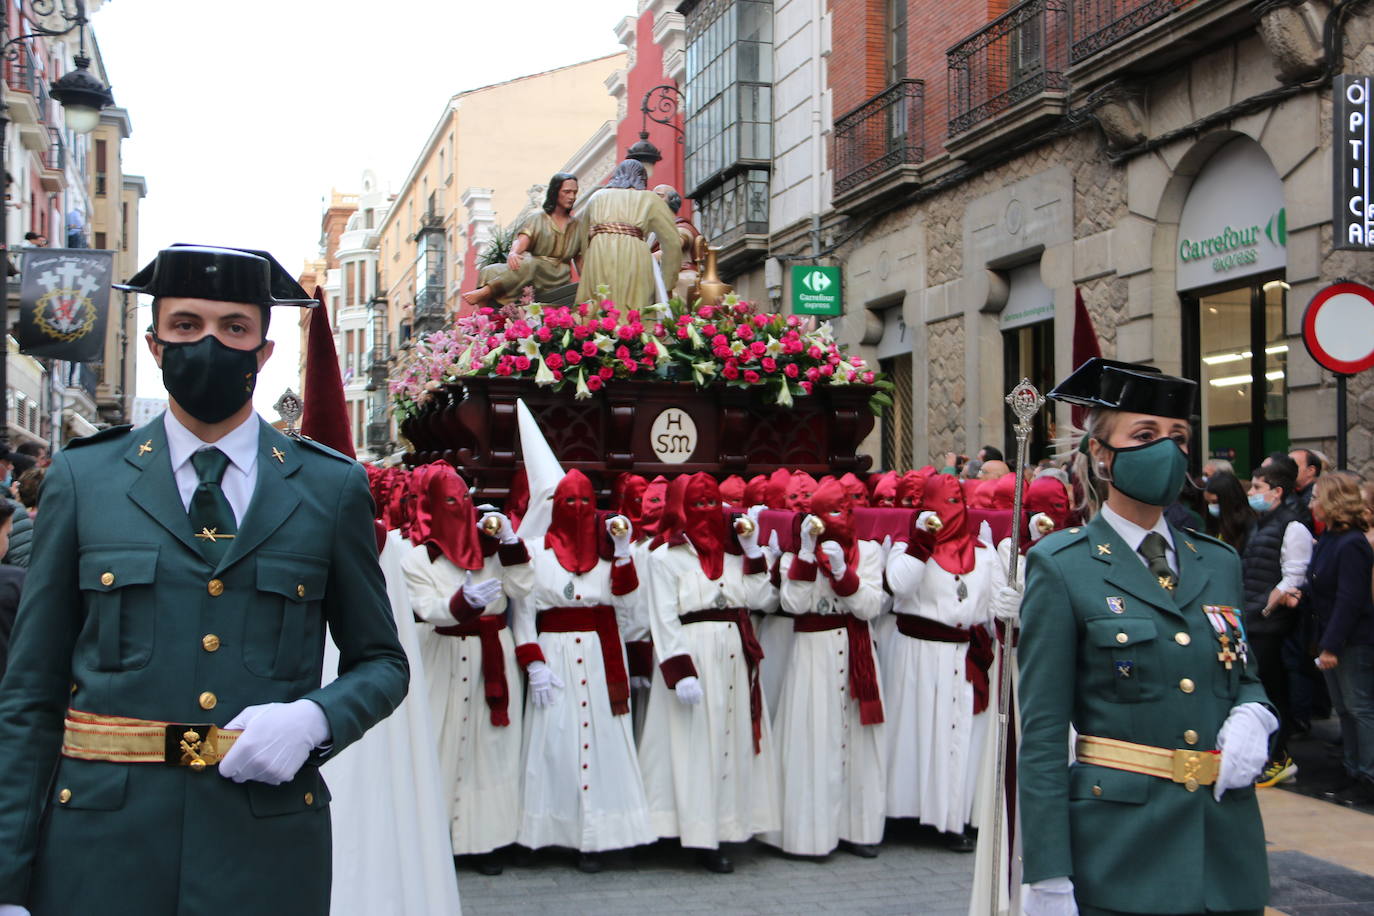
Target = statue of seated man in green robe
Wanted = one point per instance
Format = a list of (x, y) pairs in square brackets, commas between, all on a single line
[(544, 247)]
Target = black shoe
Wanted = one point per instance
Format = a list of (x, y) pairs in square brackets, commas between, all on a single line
[(1359, 794), (713, 860), (962, 842), (590, 862), (487, 864), (1337, 791), (862, 850)]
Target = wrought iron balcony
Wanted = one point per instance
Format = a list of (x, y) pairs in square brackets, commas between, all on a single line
[(20, 71), (884, 133), (377, 368), (378, 434), (55, 156), (433, 216), (1098, 24), (1019, 55)]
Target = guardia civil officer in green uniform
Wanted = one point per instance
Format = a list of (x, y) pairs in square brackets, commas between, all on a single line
[(1131, 633), (161, 719)]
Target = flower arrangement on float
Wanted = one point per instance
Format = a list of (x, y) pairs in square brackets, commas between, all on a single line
[(585, 346)]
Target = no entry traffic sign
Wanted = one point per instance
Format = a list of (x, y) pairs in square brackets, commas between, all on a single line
[(1338, 328)]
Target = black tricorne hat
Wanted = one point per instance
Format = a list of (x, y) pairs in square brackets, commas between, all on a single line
[(1112, 385), (222, 274)]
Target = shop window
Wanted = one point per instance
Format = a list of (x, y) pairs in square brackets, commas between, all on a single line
[(1028, 352), (1238, 353)]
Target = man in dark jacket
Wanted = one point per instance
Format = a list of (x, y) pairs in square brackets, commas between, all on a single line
[(1275, 568), (11, 584)]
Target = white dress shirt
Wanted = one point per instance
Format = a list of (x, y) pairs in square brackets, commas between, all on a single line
[(1133, 535), (240, 477)]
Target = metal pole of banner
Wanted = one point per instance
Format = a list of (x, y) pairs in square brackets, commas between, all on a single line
[(1025, 403)]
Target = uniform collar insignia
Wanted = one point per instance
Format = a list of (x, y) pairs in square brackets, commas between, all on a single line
[(1104, 550), (145, 448)]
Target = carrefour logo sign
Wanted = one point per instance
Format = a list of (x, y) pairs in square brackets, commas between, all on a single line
[(816, 290), (1235, 246)]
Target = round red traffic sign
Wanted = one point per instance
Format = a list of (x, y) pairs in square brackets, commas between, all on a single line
[(1338, 328)]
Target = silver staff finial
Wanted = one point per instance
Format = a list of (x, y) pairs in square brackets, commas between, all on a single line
[(290, 407)]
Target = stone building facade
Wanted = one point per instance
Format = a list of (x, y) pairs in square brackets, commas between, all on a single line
[(1169, 163)]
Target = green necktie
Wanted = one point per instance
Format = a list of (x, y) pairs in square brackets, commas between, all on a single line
[(1155, 549), (212, 518)]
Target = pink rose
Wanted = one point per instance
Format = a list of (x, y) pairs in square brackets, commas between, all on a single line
[(606, 372), (706, 311), (722, 352), (553, 361), (760, 320), (631, 365), (581, 332), (573, 357), (720, 340), (709, 330), (594, 383), (651, 349), (608, 323), (731, 371), (682, 333), (625, 332), (522, 363), (807, 387), (815, 352), (813, 373), (744, 332), (827, 371), (503, 368), (589, 348), (544, 334), (557, 376), (751, 377), (769, 364), (868, 378), (758, 348)]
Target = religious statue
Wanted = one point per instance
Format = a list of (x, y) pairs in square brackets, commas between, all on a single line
[(617, 223), (546, 243), (690, 238)]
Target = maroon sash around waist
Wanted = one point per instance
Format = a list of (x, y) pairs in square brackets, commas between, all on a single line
[(863, 673), (977, 663), (753, 654), (487, 630), (598, 619)]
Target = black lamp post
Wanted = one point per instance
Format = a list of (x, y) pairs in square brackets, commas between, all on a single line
[(80, 93)]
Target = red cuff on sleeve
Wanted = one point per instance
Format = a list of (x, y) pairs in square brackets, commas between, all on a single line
[(847, 584), (801, 571), (513, 554), (755, 565), (528, 653), (641, 655), (921, 546), (676, 668), (460, 609), (624, 579)]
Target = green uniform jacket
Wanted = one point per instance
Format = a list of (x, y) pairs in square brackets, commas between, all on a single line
[(1105, 648), (115, 620)]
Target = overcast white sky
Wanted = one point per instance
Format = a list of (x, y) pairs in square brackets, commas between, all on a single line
[(245, 113)]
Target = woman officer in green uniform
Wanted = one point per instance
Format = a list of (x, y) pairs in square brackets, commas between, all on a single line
[(1131, 634)]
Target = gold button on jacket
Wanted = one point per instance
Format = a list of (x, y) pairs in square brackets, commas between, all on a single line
[(1190, 736), (107, 578), (210, 642), (1182, 638), (64, 796), (215, 587), (208, 700), (1186, 685)]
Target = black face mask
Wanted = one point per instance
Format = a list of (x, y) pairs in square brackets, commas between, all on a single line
[(209, 380)]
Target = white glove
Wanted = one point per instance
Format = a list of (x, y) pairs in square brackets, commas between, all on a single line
[(772, 551), (835, 554), (622, 542), (923, 519), (1051, 897), (1244, 745), (688, 691), (506, 535), (807, 551), (480, 594), (636, 680), (1006, 603), (12, 909), (985, 533), (277, 738), (544, 684), (749, 543), (886, 546), (1040, 525)]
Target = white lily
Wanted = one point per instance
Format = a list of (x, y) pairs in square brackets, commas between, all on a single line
[(784, 394), (529, 347), (543, 375), (774, 347), (583, 392)]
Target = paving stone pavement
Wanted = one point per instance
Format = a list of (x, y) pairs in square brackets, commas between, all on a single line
[(913, 873)]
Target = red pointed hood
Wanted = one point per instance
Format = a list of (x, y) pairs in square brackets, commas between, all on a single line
[(1047, 495), (885, 490), (910, 488), (518, 497), (704, 523), (1001, 492), (416, 507), (833, 506), (452, 518), (800, 489), (326, 413), (954, 542), (652, 503), (732, 491), (858, 493), (627, 497), (776, 492), (572, 533), (756, 492)]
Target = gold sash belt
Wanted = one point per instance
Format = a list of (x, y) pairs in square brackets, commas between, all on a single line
[(1190, 767), (119, 739), (617, 229)]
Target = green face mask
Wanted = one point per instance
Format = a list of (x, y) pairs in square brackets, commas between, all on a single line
[(1152, 473)]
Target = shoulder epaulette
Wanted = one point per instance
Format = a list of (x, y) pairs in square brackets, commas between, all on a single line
[(112, 432), (322, 448), (1056, 541)]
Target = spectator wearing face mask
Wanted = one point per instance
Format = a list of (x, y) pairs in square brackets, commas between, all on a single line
[(1274, 567), (1229, 516)]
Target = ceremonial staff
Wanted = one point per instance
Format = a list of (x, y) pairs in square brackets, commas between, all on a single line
[(1025, 403)]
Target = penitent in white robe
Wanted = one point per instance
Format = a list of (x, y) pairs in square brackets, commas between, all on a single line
[(832, 771), (581, 786), (479, 763), (934, 739), (390, 835), (636, 629), (704, 782)]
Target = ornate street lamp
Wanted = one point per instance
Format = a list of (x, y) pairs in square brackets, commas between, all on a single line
[(80, 93)]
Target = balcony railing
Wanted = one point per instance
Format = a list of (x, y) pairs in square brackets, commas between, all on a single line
[(55, 156), (881, 134), (21, 72), (433, 215), (429, 302), (377, 368), (1018, 55), (1097, 24)]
